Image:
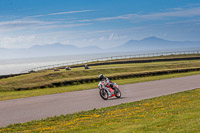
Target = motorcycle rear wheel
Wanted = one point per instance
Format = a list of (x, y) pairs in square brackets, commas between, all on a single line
[(103, 94)]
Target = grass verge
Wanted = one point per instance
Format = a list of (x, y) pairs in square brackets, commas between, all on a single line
[(38, 92), (172, 113), (49, 78)]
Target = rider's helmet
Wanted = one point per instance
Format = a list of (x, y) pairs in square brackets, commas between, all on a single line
[(101, 76)]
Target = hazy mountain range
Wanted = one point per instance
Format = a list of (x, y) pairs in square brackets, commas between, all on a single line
[(147, 44), (46, 50), (154, 43)]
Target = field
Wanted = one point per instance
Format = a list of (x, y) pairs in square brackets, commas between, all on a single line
[(38, 92), (31, 83), (172, 113), (45, 78)]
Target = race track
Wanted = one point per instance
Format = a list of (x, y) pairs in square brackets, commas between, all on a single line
[(36, 108)]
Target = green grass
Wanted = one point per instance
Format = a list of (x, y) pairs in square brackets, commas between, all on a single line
[(145, 58), (38, 92), (179, 112), (45, 78)]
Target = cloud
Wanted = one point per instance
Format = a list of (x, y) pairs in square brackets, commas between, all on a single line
[(16, 42), (114, 36), (14, 25), (35, 30), (184, 22), (23, 23), (176, 12), (59, 13), (9, 26), (55, 26), (103, 38)]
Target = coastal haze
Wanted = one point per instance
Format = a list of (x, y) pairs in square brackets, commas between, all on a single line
[(43, 55), (147, 44)]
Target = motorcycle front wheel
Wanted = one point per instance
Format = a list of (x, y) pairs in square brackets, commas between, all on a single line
[(118, 93), (103, 94)]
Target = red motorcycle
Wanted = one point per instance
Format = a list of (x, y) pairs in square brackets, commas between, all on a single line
[(106, 91)]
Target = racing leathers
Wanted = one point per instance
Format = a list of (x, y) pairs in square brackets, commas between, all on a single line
[(105, 81)]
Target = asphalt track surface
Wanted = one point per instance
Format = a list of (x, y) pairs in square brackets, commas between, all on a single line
[(39, 107)]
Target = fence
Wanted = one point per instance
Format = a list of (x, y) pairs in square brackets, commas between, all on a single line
[(111, 58)]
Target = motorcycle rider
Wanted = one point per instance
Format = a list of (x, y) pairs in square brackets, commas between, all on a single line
[(107, 82)]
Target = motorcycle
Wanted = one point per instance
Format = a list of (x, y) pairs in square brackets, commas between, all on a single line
[(106, 91)]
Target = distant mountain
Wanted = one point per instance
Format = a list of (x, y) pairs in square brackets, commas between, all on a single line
[(56, 49), (154, 43), (147, 44)]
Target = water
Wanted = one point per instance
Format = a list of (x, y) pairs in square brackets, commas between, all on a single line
[(14, 66)]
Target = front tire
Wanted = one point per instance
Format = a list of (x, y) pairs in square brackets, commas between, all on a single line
[(103, 94), (118, 93)]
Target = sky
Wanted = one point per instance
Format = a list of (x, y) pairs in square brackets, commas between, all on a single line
[(102, 23)]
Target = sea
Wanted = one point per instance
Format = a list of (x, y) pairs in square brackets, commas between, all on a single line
[(16, 66)]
